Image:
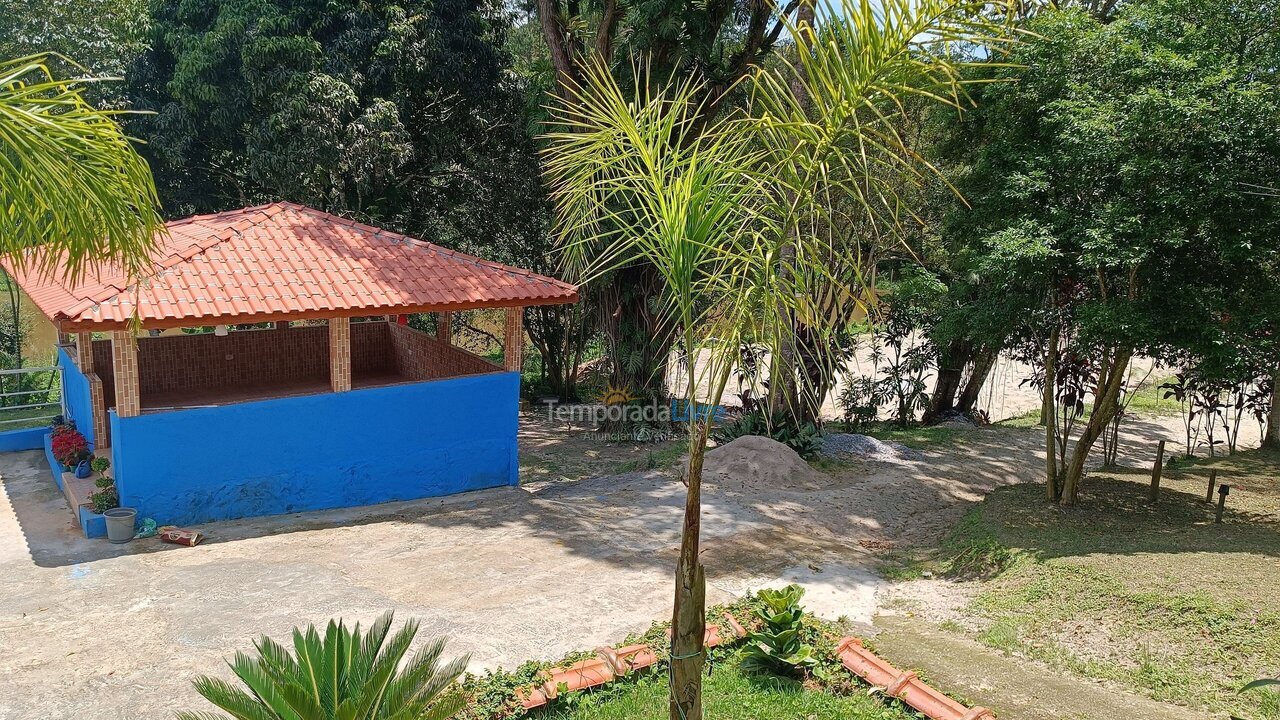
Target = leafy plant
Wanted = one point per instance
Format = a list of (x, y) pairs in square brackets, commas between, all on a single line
[(347, 674), (778, 646), (99, 465), (106, 497), (859, 401), (781, 425)]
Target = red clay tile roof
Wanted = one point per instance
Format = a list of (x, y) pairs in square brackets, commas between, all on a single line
[(285, 261)]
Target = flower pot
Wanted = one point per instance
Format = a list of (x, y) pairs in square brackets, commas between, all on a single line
[(120, 523), (83, 469)]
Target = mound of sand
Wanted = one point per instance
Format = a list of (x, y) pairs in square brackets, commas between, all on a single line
[(755, 461)]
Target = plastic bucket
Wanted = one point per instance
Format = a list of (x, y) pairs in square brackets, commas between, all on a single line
[(120, 522)]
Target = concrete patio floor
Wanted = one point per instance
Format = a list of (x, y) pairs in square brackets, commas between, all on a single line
[(91, 629)]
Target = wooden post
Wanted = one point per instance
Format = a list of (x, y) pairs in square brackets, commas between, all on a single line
[(124, 357), (340, 354), (282, 325), (513, 345), (1213, 480), (444, 327), (1155, 472), (1222, 503)]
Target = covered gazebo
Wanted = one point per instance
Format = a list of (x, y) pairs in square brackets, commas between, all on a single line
[(321, 398)]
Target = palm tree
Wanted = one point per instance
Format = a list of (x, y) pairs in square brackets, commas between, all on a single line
[(747, 221), (71, 183), (346, 675)]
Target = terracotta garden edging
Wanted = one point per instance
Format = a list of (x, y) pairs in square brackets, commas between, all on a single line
[(904, 686), (608, 665), (612, 663)]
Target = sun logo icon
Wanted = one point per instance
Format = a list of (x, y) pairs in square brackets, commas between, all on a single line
[(615, 396)]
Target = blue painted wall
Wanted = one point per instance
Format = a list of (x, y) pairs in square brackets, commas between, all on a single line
[(24, 439), (75, 391), (313, 452)]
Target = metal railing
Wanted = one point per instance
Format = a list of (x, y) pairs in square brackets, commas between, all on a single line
[(30, 396)]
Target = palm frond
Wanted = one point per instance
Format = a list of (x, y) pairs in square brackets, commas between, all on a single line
[(75, 192)]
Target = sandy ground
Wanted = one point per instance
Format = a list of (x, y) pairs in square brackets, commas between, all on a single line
[(1003, 395), (120, 631)]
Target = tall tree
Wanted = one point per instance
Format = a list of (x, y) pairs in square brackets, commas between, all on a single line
[(719, 43), (1122, 166), (404, 113), (637, 178)]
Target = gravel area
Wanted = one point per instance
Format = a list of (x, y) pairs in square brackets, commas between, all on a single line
[(842, 446)]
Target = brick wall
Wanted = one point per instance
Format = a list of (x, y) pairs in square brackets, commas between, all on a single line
[(419, 356), (261, 357)]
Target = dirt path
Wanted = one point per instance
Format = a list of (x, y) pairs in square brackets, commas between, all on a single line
[(1015, 688)]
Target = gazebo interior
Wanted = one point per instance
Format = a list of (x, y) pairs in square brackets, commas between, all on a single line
[(207, 369)]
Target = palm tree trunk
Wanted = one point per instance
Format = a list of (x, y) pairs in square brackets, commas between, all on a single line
[(688, 618)]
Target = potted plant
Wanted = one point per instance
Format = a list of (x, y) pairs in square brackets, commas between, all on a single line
[(106, 502)]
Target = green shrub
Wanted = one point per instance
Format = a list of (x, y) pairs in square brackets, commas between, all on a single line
[(105, 497), (778, 646), (805, 439), (344, 674)]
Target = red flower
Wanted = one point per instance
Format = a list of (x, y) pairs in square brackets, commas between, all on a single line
[(69, 446)]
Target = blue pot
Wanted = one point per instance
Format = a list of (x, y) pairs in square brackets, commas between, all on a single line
[(83, 470)]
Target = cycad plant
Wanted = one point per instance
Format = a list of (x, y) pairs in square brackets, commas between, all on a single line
[(346, 674), (748, 220), (70, 180)]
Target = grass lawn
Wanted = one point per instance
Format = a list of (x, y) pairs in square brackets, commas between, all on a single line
[(729, 694), (1156, 597)]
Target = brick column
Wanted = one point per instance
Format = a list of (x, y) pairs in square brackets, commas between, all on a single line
[(84, 352), (124, 358), (444, 327), (513, 345), (340, 354)]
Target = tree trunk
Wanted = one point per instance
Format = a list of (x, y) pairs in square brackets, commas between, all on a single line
[(784, 387), (1105, 405), (688, 617), (637, 339), (1272, 440), (1049, 414), (951, 363), (983, 362)]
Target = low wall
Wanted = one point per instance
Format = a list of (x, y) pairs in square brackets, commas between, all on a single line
[(77, 395), (24, 439), (314, 452)]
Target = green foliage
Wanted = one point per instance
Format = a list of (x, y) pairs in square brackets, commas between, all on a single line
[(778, 646), (780, 425), (71, 182), (345, 674), (1119, 176), (99, 465), (399, 113), (106, 497)]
